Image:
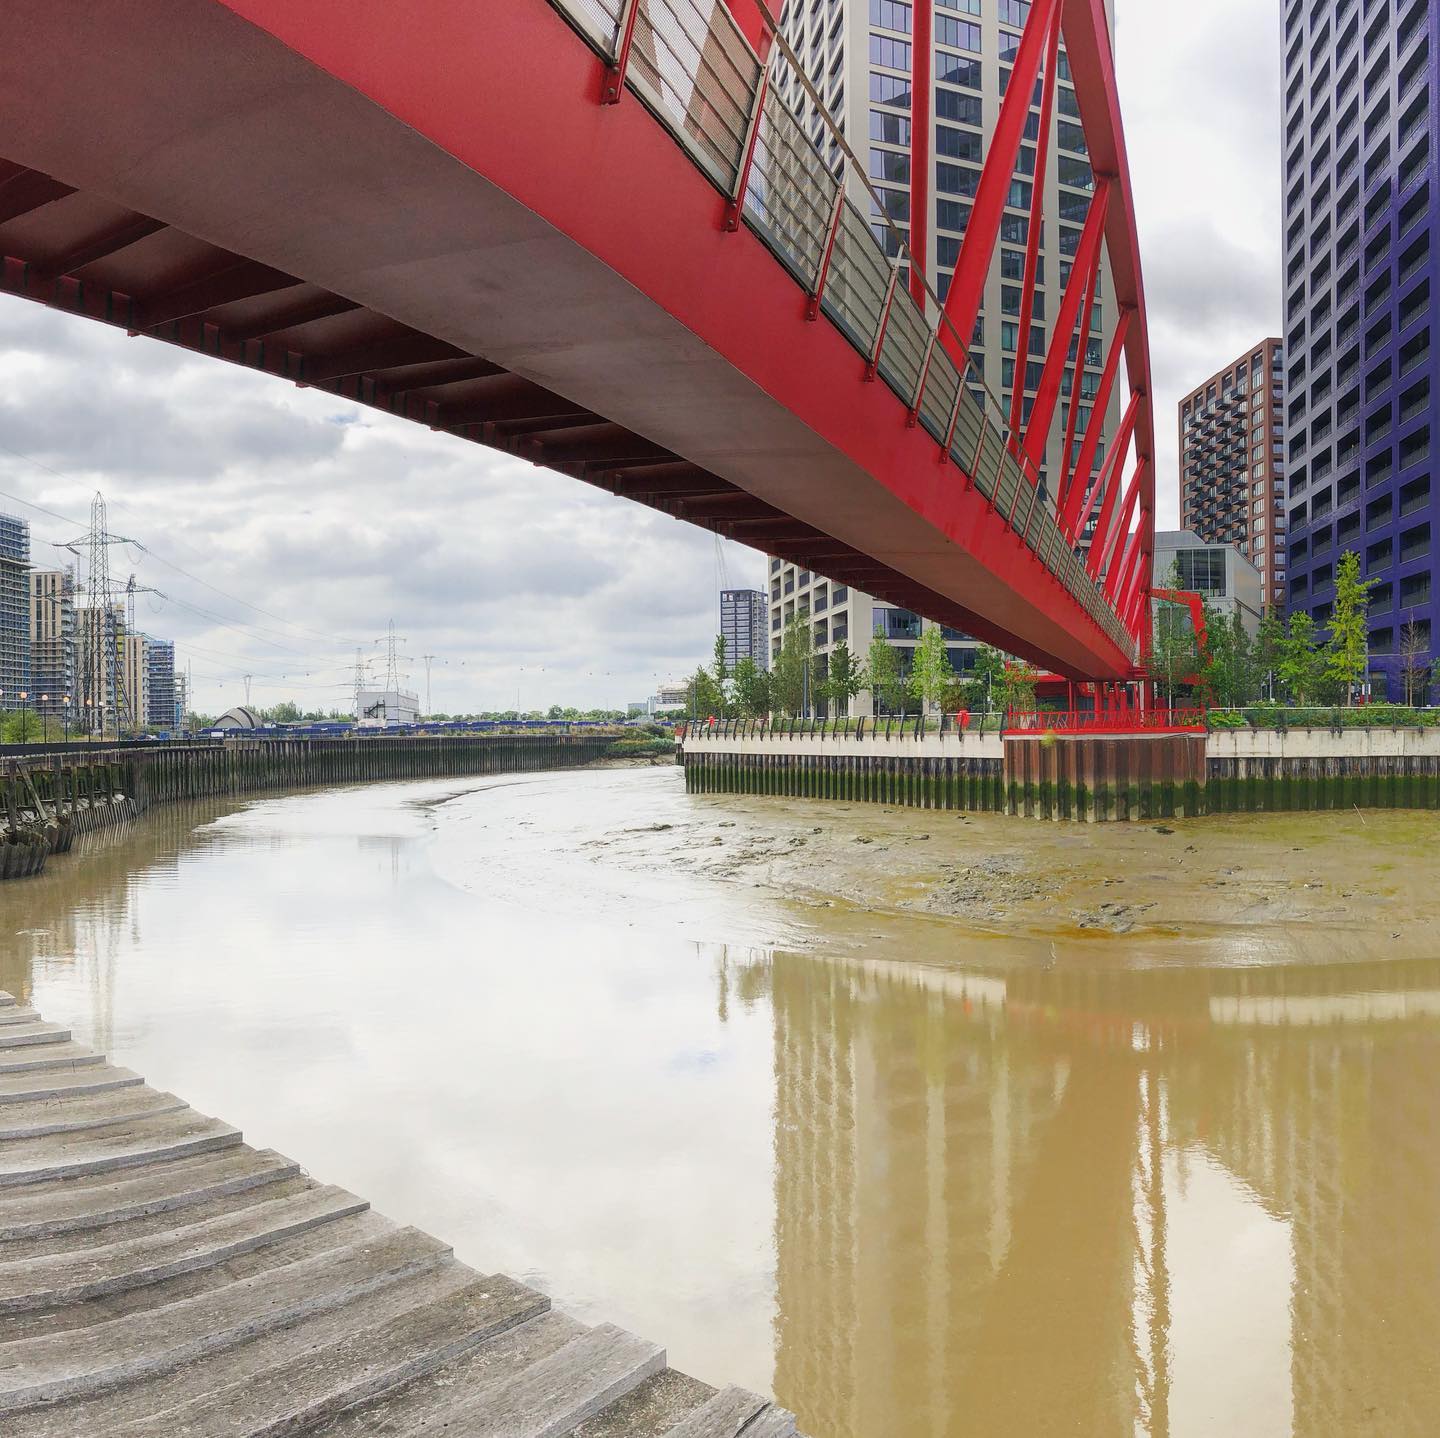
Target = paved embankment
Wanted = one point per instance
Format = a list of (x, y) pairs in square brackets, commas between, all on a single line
[(1094, 778), (48, 799), (160, 1277)]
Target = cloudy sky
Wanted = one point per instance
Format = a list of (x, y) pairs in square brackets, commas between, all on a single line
[(285, 529)]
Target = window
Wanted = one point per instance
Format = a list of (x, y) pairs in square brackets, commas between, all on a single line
[(956, 144), (964, 109), (961, 34), (956, 70), (893, 129), (890, 15), (894, 54)]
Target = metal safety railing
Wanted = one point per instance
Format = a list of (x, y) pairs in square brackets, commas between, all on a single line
[(1106, 721), (689, 63)]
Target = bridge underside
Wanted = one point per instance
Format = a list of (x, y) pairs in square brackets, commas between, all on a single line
[(173, 169)]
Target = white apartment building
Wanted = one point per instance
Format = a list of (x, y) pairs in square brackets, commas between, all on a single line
[(858, 55)]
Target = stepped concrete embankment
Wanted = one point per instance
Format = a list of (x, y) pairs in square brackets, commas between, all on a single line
[(159, 1276), (1094, 778)]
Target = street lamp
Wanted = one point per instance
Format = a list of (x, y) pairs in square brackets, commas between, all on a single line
[(44, 709), (24, 716), (67, 718)]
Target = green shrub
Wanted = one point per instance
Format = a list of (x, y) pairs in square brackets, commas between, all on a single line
[(1226, 719)]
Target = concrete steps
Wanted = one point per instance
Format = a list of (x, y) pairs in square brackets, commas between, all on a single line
[(79, 1112), (47, 1211), (44, 1058), (159, 1277), (16, 1036), (30, 1085)]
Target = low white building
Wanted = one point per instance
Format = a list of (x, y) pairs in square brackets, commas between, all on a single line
[(387, 706), (1219, 573)]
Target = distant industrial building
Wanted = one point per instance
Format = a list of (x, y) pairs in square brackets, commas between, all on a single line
[(742, 625), (52, 640), (14, 610), (1219, 573), (387, 706), (1232, 462)]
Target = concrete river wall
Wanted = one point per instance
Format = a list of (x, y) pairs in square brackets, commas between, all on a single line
[(46, 800), (1095, 778)]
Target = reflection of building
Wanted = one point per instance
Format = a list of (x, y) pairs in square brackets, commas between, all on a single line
[(742, 625), (939, 1229), (980, 1180), (14, 610), (52, 639)]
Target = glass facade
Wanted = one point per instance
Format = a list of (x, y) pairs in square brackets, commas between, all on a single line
[(1360, 93)]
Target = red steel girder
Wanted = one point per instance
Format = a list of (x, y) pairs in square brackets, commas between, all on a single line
[(1110, 483), (1087, 259), (292, 316), (1032, 238), (396, 352), (962, 303), (236, 279), (99, 247), (26, 190), (1077, 482)]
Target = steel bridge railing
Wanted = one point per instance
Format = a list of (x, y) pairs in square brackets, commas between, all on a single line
[(689, 64)]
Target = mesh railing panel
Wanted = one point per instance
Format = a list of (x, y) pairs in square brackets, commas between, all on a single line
[(698, 79), (903, 353), (859, 276), (598, 20), (792, 194), (695, 70), (938, 400)]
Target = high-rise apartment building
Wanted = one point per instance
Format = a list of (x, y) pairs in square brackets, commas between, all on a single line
[(52, 639), (1232, 463), (1360, 149), (859, 55), (135, 666), (14, 610), (742, 624), (160, 706)]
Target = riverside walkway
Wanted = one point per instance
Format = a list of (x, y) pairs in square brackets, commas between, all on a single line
[(160, 1277)]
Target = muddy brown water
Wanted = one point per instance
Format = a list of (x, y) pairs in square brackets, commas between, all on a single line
[(926, 1124)]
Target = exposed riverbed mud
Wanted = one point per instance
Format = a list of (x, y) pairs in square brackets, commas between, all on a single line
[(1249, 888)]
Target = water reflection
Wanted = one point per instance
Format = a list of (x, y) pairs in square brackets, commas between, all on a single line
[(970, 1198), (1159, 1202)]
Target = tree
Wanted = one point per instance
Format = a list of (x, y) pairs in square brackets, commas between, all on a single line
[(1302, 665), (287, 711), (1172, 659), (933, 673), (750, 685), (887, 686), (1268, 644), (721, 672), (1414, 660), (846, 677), (986, 684), (1228, 664), (22, 727), (1018, 683), (1347, 654), (789, 678), (702, 695)]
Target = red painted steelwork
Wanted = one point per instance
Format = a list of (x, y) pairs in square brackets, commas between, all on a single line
[(1087, 260), (476, 177), (922, 60), (962, 304), (1078, 481), (1111, 468), (1032, 246), (1104, 721)]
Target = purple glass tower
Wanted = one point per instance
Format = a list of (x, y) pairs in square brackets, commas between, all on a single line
[(1360, 302)]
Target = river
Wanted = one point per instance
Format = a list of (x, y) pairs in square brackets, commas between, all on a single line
[(929, 1125)]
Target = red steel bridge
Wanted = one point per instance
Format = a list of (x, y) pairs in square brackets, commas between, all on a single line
[(591, 233)]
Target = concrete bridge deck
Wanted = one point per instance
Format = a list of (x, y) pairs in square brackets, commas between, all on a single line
[(160, 1277)]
